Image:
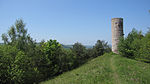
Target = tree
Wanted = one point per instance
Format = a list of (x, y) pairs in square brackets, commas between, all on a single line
[(67, 60), (90, 53), (99, 48), (129, 46), (19, 47), (52, 51), (17, 36), (7, 58), (79, 52), (4, 38), (144, 51)]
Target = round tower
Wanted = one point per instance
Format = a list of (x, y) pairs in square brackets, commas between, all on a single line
[(117, 32)]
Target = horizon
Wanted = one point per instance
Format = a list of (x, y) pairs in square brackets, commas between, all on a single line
[(71, 21)]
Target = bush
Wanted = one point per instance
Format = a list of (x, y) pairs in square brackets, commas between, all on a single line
[(23, 61), (52, 50), (129, 46), (7, 58), (67, 60), (135, 46), (79, 51), (100, 48), (144, 51)]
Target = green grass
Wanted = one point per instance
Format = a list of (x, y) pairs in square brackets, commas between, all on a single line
[(106, 69), (132, 72)]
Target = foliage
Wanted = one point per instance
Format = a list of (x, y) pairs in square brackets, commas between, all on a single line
[(17, 36), (100, 48), (96, 71), (7, 57), (67, 60), (144, 51), (79, 52), (23, 61), (101, 70), (52, 51), (135, 46), (18, 56)]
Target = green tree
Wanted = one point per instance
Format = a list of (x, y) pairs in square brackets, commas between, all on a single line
[(99, 48), (7, 58), (129, 46), (144, 51), (67, 60), (4, 38), (90, 53), (41, 62), (17, 36), (52, 51), (19, 46), (79, 52)]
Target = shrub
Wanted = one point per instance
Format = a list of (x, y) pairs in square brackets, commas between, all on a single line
[(135, 46), (52, 51), (79, 51), (129, 46), (100, 48), (144, 52)]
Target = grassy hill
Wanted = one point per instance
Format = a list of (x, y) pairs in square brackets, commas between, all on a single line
[(106, 69)]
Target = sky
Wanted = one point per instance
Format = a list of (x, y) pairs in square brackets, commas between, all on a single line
[(71, 21)]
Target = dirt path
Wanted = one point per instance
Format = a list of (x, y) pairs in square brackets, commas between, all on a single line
[(112, 64)]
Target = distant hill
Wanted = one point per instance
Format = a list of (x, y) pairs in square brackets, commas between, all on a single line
[(65, 46), (88, 46), (1, 43), (106, 69), (70, 46)]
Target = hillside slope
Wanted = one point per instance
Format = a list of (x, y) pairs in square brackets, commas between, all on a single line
[(106, 69)]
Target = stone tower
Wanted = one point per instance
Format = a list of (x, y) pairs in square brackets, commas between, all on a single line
[(117, 32)]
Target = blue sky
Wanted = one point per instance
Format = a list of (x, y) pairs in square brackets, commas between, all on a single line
[(70, 21)]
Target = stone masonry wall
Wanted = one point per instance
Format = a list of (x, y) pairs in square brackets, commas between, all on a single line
[(117, 32)]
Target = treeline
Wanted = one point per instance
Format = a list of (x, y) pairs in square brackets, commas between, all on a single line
[(136, 46), (24, 61)]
